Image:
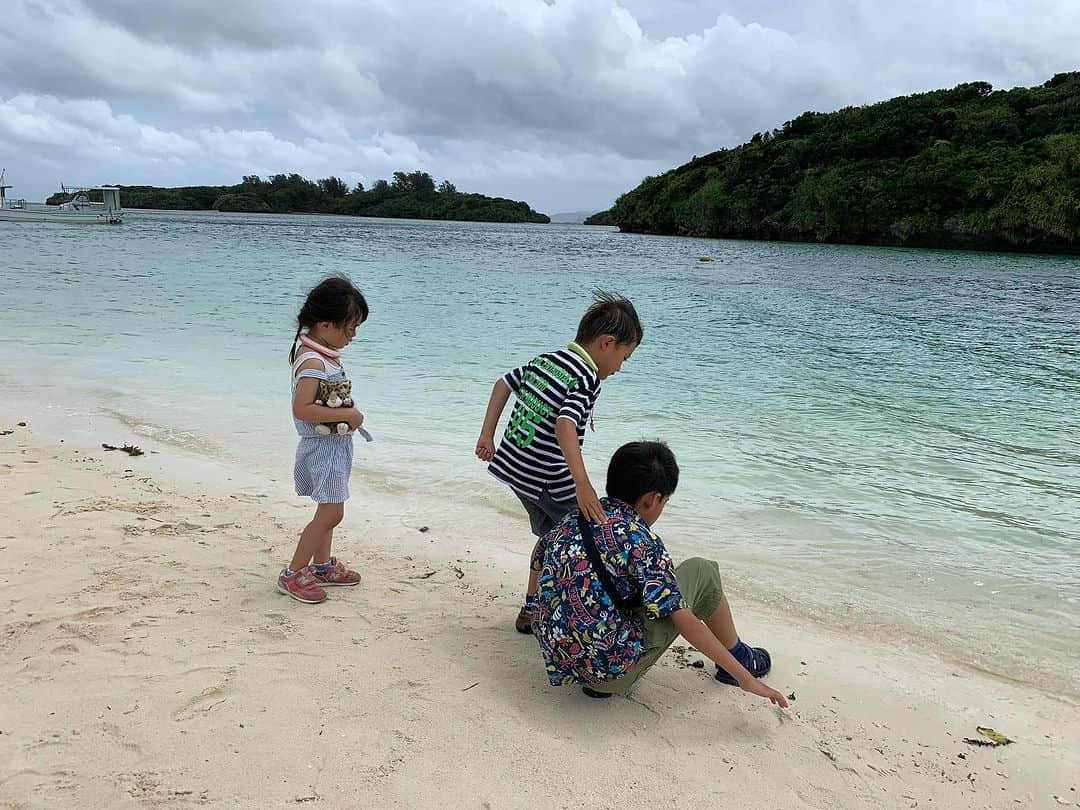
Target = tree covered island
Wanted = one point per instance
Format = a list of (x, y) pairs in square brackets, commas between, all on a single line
[(969, 167), (412, 195)]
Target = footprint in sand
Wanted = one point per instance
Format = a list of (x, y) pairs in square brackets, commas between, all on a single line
[(207, 699), (116, 735), (80, 623), (13, 631), (275, 625), (110, 505), (48, 741), (96, 612), (143, 785), (59, 780), (83, 630), (163, 529)]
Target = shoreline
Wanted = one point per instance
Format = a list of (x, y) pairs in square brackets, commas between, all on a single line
[(758, 579), (159, 663), (1001, 250), (336, 214)]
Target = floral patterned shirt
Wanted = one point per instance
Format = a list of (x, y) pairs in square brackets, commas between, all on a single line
[(583, 637)]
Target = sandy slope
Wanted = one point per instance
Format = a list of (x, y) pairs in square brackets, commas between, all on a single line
[(146, 660)]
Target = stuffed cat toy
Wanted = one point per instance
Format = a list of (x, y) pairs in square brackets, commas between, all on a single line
[(334, 395)]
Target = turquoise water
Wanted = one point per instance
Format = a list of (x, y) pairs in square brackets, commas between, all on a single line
[(883, 439)]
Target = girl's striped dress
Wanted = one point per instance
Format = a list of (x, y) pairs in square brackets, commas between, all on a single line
[(323, 463)]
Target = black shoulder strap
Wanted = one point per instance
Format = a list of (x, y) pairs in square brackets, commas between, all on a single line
[(589, 542)]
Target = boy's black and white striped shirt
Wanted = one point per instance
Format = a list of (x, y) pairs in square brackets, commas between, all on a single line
[(559, 384)]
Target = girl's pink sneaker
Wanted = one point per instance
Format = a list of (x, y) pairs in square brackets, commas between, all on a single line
[(336, 574), (301, 586)]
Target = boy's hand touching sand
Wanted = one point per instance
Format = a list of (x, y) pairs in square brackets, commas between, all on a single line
[(756, 687)]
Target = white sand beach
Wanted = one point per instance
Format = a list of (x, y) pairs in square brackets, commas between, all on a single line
[(147, 660)]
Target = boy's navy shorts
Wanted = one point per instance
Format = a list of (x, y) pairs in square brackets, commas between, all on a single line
[(544, 512)]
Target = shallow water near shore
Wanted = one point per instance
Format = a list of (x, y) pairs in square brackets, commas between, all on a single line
[(884, 439)]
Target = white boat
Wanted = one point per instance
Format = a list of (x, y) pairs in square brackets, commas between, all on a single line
[(79, 208)]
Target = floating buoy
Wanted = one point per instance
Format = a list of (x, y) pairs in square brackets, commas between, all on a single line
[(705, 258)]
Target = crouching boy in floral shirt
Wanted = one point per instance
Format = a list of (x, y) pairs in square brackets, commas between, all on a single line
[(611, 601)]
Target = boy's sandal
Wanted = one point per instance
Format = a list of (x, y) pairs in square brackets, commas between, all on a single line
[(523, 622), (594, 694), (757, 661)]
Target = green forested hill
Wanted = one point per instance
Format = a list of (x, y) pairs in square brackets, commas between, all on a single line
[(411, 195), (969, 167)]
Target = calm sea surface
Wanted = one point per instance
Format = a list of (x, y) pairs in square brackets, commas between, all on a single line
[(888, 440)]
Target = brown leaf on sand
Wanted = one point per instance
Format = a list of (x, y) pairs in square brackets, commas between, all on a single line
[(130, 449), (993, 738)]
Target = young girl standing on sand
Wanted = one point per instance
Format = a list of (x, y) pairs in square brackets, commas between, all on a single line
[(326, 324)]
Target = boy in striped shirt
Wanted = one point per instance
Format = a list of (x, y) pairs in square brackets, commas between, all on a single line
[(539, 456)]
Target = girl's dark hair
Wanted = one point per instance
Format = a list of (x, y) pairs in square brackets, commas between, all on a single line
[(334, 300), (610, 314), (638, 468)]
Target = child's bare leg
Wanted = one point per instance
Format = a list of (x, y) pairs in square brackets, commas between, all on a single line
[(322, 554), (534, 575), (722, 625), (335, 514), (317, 536)]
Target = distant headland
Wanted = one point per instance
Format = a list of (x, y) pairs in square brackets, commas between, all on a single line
[(412, 195), (970, 168)]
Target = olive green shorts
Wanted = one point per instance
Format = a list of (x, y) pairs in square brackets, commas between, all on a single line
[(699, 582)]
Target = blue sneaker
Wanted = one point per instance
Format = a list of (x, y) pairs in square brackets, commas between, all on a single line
[(757, 661)]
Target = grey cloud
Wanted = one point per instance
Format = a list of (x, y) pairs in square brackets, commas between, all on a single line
[(200, 26), (565, 104)]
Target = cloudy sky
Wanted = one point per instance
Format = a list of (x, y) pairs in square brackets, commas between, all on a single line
[(562, 103)]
